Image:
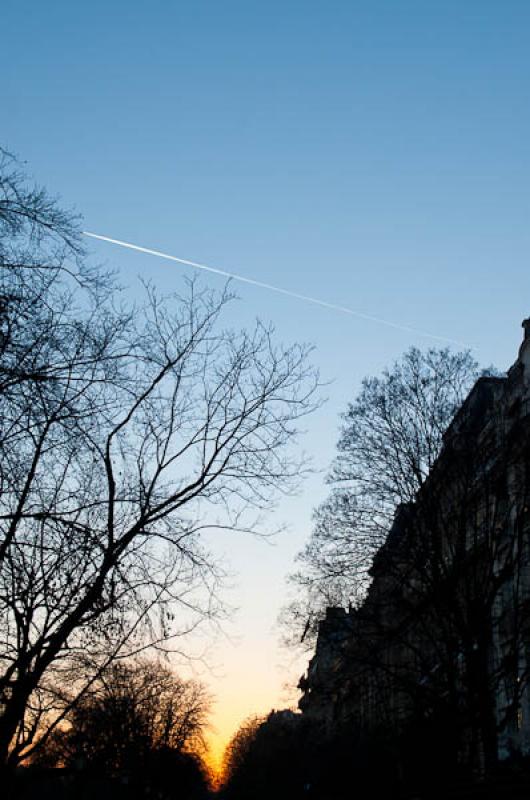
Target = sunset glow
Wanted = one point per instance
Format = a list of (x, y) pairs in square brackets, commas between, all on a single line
[(265, 399)]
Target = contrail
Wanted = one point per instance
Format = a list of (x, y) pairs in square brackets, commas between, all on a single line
[(287, 292)]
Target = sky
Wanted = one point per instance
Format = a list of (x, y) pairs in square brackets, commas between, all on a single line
[(369, 153)]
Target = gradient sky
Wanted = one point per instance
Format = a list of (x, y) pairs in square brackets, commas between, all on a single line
[(373, 154)]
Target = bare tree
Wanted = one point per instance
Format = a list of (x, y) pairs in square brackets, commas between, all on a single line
[(41, 263), (239, 747), (132, 711), (123, 436), (390, 438)]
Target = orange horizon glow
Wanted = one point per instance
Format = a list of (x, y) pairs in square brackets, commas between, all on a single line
[(237, 703)]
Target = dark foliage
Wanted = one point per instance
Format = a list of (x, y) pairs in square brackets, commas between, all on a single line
[(167, 775), (289, 757)]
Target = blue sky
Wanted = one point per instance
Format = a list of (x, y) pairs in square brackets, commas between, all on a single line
[(373, 154)]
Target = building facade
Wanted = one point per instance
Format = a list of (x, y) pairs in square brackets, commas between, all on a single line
[(442, 638)]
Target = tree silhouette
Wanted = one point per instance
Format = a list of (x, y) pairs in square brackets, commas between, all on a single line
[(390, 438), (131, 712), (125, 432)]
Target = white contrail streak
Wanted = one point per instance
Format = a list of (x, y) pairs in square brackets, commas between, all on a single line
[(271, 288)]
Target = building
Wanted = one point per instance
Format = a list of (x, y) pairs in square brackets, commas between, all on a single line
[(442, 638)]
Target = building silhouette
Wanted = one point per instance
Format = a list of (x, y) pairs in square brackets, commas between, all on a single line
[(440, 645)]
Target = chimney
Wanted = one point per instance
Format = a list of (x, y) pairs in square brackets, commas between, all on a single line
[(523, 358), (524, 350)]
